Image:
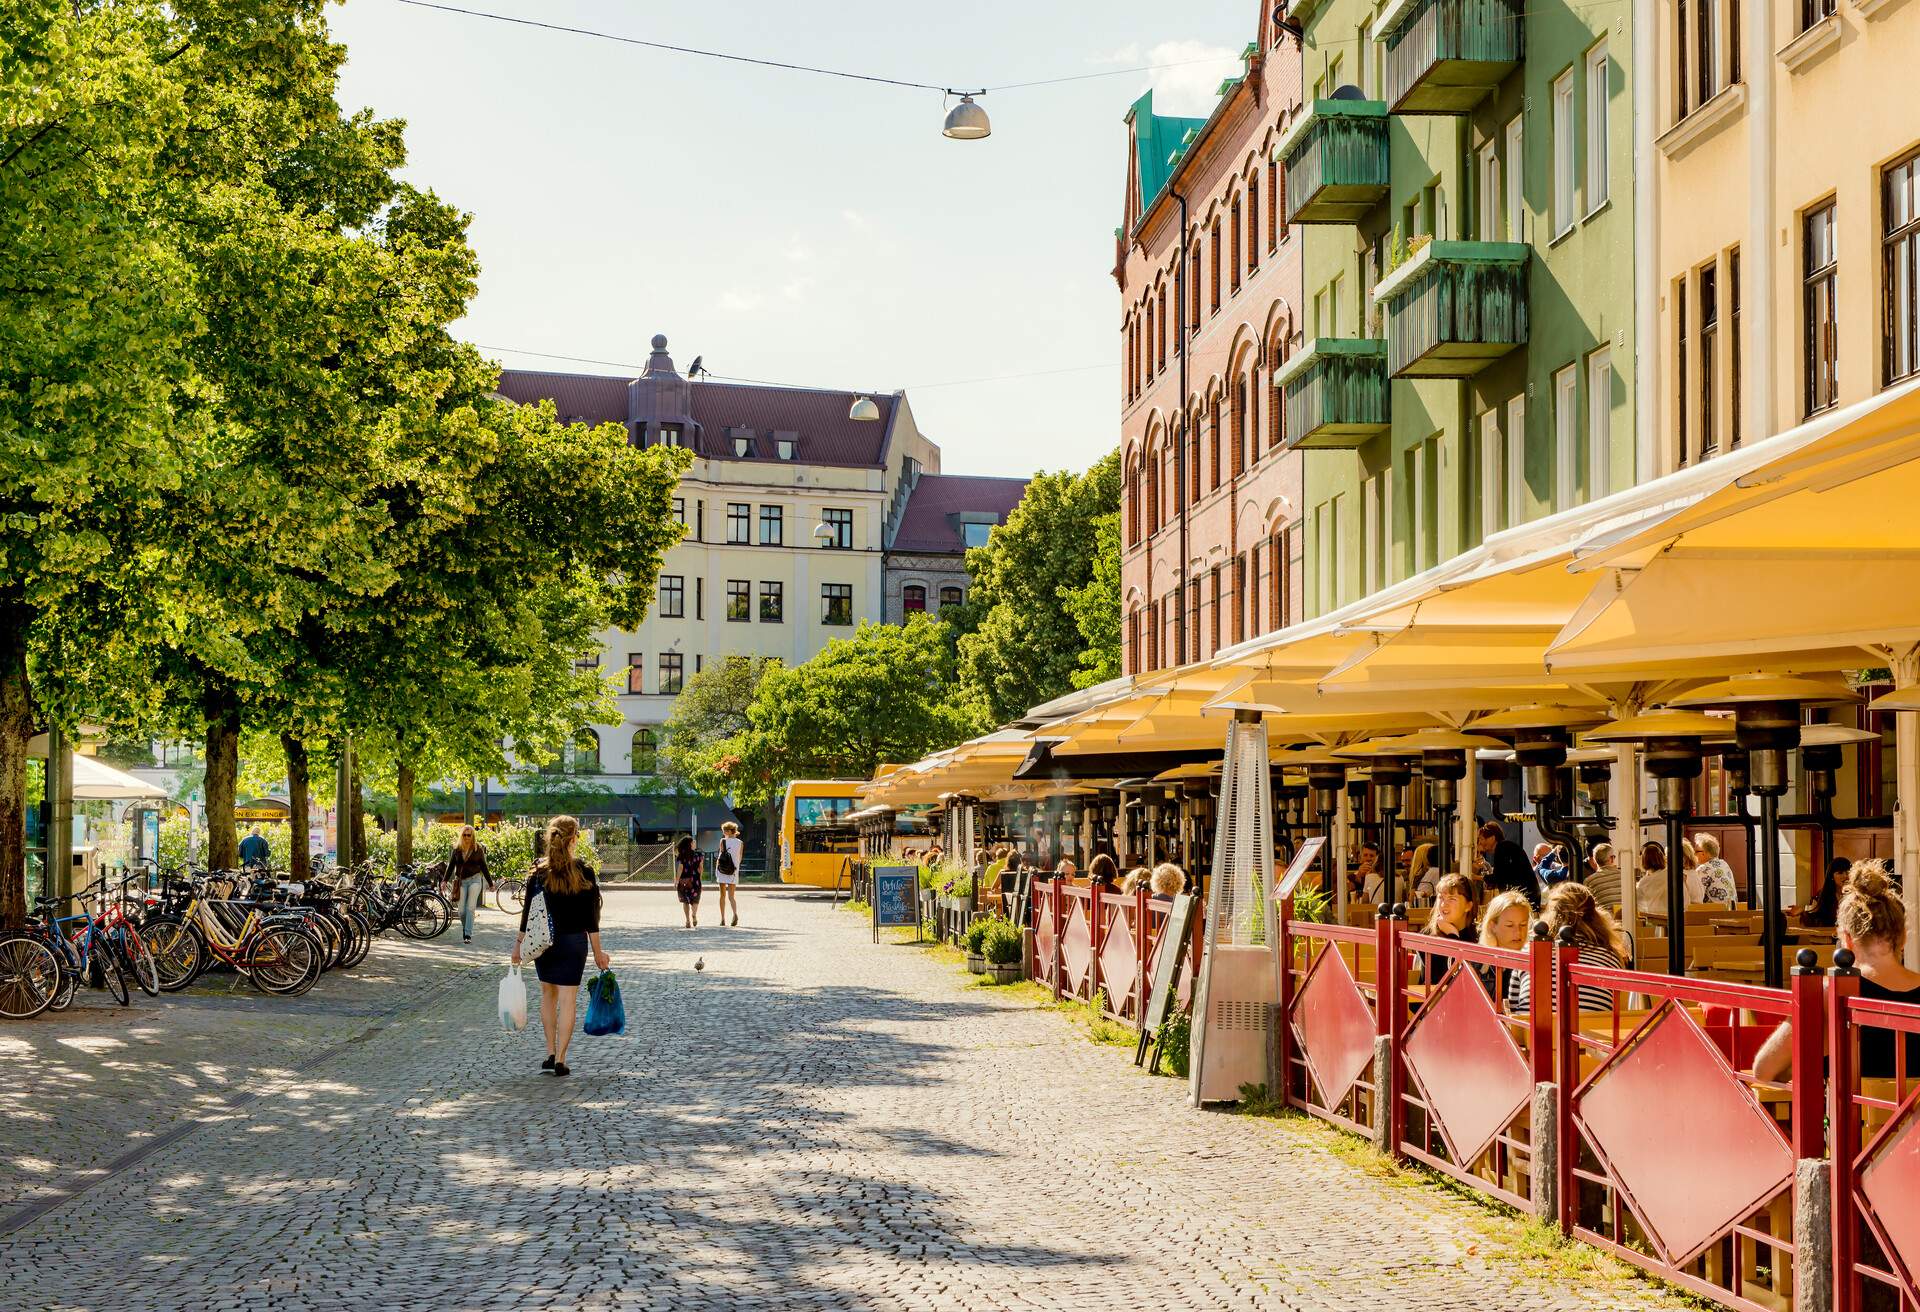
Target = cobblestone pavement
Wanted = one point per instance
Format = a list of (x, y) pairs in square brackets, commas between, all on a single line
[(812, 1121)]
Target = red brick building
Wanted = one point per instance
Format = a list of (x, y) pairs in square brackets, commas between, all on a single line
[(1209, 280)]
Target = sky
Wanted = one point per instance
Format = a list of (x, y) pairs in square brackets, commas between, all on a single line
[(794, 228)]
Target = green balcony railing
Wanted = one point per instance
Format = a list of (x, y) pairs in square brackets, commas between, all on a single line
[(1455, 308), (1336, 394), (1445, 56), (1336, 161)]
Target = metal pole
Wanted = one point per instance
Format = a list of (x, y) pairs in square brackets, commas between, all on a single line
[(59, 790), (1772, 923), (1676, 897)]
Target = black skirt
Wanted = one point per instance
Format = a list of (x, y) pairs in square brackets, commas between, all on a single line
[(564, 962)]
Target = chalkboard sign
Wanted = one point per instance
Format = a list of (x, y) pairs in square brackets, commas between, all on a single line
[(896, 898), (1302, 861), (1163, 980)]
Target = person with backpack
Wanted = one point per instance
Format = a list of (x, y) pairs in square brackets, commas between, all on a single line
[(726, 870)]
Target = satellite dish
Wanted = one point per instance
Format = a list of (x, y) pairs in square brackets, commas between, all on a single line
[(1347, 91)]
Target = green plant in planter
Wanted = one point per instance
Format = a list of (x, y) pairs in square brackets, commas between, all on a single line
[(1176, 1043), (976, 934), (1000, 944)]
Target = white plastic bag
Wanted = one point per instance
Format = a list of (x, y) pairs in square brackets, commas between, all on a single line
[(513, 1000)]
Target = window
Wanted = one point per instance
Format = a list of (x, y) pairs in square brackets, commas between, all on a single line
[(1516, 174), (1492, 474), (738, 591), (1238, 418), (1280, 552), (836, 603), (1563, 142), (680, 511), (1733, 348), (586, 752), (1820, 258), (1682, 89), (1213, 266), (669, 435), (1706, 49), (699, 598), (636, 669), (1213, 613), (785, 447), (975, 535), (1598, 163), (1492, 193), (1253, 222), (1376, 530), (1240, 598), (700, 521), (646, 752), (582, 664), (1193, 283), (1813, 11), (739, 522), (773, 526), (1566, 436), (1680, 367), (841, 522), (1900, 254), (951, 597), (672, 673), (913, 598), (673, 596), (1276, 205), (772, 603), (1515, 467), (1233, 249), (1709, 298), (743, 445), (1599, 423)]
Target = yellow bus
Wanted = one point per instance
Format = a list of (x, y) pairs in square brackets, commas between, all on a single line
[(816, 842)]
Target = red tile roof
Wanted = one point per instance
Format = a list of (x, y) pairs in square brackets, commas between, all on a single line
[(926, 525), (817, 417)]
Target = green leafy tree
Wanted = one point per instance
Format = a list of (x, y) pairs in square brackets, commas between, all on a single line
[(1095, 607), (714, 707), (1021, 640)]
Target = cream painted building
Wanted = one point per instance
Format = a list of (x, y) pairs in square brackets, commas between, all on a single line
[(789, 504), (1780, 213)]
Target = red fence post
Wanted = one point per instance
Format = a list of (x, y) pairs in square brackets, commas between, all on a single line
[(1141, 946), (1097, 938), (1389, 1020), (1059, 932), (1564, 1015), (1808, 988), (1843, 1116), (1540, 1053)]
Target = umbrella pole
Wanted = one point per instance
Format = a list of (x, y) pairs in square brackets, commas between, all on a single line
[(1772, 924)]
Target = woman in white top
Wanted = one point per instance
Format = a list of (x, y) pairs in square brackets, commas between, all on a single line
[(726, 870)]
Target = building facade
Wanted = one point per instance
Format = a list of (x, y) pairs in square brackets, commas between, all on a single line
[(1462, 173), (788, 506), (1781, 216), (924, 569), (1209, 277)]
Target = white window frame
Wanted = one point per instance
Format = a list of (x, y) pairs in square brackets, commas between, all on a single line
[(1516, 143), (1599, 423), (1599, 150), (1492, 193), (1516, 462), (1566, 199), (1566, 435), (1493, 458)]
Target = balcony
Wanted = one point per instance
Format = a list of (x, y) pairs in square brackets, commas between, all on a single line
[(1335, 394), (1445, 56), (1336, 160), (1455, 308)]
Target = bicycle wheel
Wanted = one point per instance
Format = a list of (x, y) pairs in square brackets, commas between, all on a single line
[(425, 915), (29, 977), (178, 953), (511, 893), (362, 940), (137, 958), (284, 960), (112, 974)]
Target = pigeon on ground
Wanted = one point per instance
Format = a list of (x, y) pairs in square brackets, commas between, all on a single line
[(701, 964)]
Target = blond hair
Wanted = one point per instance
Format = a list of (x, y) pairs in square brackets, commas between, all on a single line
[(563, 870), (1168, 879), (1871, 910), (730, 829), (1497, 908), (1571, 903), (1421, 862)]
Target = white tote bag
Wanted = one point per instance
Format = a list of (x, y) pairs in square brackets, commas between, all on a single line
[(513, 1000), (539, 928)]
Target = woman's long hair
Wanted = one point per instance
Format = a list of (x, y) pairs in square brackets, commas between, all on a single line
[(467, 842), (1570, 903), (564, 872), (1454, 884)]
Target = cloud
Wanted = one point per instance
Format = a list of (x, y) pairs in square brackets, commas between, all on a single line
[(1193, 74), (738, 301), (798, 252), (1126, 54), (797, 289), (857, 221)]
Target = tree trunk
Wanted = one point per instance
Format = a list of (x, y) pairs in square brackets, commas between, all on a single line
[(299, 785), (223, 773), (466, 806), (403, 814), (356, 809), (16, 726)]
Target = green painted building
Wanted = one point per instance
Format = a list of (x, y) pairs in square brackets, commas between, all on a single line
[(1463, 169)]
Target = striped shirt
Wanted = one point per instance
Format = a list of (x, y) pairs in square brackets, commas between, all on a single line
[(1593, 997)]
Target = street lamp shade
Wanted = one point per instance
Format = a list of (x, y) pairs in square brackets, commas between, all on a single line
[(864, 410), (966, 121), (823, 532)]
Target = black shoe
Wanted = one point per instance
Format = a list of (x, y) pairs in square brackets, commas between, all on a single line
[(560, 1068), (467, 939), (547, 1065)]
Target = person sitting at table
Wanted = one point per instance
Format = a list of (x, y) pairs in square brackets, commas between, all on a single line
[(1507, 864), (1455, 915), (1137, 878), (1603, 880), (1872, 924), (1423, 876), (1596, 939), (1168, 879), (1103, 873), (1504, 925), (1824, 909), (1716, 876), (1064, 868), (1369, 881), (1651, 888)]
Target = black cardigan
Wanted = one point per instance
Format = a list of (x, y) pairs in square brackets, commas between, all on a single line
[(571, 913)]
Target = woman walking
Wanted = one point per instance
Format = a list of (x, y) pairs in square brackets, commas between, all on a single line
[(726, 870), (687, 880), (467, 871), (572, 896)]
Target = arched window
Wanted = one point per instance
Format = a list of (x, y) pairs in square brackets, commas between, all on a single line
[(1150, 463), (1233, 252), (1253, 411), (1213, 437), (1276, 428), (1193, 282), (1253, 221), (586, 752), (1132, 484), (1213, 266), (646, 752), (1239, 420), (913, 598), (951, 597), (1160, 322)]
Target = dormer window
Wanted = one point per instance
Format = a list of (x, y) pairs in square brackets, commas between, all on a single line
[(786, 445), (786, 448), (975, 535), (669, 435), (743, 447)]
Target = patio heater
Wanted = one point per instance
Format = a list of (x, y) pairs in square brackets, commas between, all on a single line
[(1676, 743), (1443, 760), (1766, 723), (1289, 792), (1820, 746), (1496, 767), (1391, 767), (1326, 776), (1540, 737)]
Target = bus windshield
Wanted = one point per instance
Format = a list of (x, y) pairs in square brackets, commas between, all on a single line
[(819, 825)]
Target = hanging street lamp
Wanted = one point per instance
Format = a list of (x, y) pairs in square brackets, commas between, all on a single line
[(966, 121)]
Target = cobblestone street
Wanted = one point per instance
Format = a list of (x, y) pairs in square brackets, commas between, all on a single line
[(811, 1121)]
